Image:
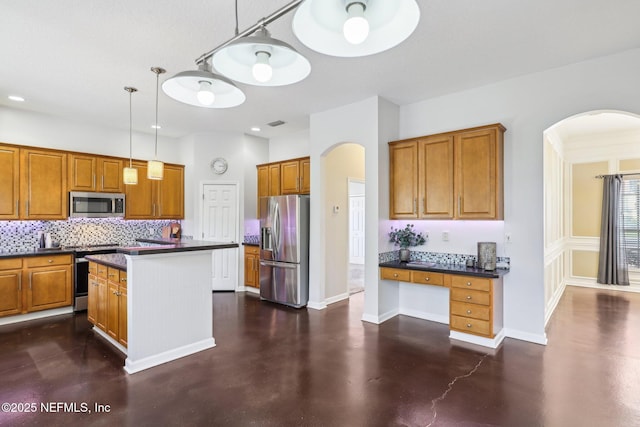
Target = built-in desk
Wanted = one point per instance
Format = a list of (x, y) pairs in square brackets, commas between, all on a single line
[(475, 297)]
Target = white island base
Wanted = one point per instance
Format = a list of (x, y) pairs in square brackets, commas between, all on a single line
[(169, 307)]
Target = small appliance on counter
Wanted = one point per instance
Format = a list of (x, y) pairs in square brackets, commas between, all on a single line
[(171, 231), (487, 255)]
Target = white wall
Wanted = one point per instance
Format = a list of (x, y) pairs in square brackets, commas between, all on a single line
[(527, 106), (289, 146)]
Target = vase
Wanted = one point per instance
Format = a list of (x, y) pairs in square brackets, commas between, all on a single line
[(405, 255)]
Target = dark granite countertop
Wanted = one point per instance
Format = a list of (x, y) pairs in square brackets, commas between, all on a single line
[(173, 245), (249, 244), (445, 268), (38, 252), (110, 260)]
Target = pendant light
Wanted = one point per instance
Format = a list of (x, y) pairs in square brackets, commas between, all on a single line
[(261, 60), (350, 28), (203, 88), (130, 174), (155, 168)]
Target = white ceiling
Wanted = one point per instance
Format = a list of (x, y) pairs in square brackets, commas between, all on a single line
[(72, 58)]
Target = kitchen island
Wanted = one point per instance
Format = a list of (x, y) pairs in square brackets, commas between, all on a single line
[(168, 300)]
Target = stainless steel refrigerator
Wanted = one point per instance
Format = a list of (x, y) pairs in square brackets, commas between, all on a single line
[(284, 249)]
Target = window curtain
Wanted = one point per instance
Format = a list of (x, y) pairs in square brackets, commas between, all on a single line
[(612, 263)]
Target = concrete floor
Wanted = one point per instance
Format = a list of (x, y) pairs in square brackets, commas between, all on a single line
[(276, 366)]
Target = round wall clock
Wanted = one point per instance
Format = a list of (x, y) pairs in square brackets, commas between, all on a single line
[(219, 165)]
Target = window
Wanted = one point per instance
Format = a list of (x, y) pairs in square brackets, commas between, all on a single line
[(630, 210)]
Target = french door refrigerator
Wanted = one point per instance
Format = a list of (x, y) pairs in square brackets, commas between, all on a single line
[(284, 249)]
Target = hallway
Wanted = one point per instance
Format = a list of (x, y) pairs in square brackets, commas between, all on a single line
[(276, 366)]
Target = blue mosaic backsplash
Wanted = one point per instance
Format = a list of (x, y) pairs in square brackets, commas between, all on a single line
[(441, 258), (21, 236)]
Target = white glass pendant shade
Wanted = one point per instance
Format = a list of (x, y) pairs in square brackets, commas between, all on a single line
[(356, 28), (130, 176), (184, 87), (320, 25), (205, 95), (155, 169), (238, 60)]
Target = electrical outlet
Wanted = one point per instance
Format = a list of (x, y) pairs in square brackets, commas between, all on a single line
[(507, 237), (151, 232), (426, 235), (445, 236)]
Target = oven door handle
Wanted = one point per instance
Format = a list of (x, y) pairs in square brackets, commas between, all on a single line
[(79, 260)]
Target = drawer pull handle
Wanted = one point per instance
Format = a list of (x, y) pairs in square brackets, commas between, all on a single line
[(468, 311), (468, 283), (426, 279), (468, 325), (50, 261), (123, 280), (468, 296), (395, 274)]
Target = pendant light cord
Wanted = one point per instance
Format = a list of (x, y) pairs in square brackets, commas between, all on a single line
[(157, 87), (237, 31), (130, 131)]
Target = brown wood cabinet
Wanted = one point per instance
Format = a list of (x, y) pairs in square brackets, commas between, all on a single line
[(35, 283), (94, 173), (107, 301), (92, 297), (10, 286), (43, 184), (453, 175), (9, 182), (252, 266), (156, 199), (475, 303), (286, 177)]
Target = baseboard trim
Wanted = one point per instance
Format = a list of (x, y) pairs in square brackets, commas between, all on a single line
[(526, 336), (551, 306), (317, 305), (133, 366), (473, 339), (113, 342), (425, 316), (337, 298), (35, 315), (380, 318)]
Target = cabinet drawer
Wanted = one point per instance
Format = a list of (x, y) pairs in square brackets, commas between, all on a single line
[(45, 261), (11, 264), (113, 274), (474, 311), (475, 283), (103, 271), (93, 268), (468, 295), (471, 326), (395, 274), (123, 278), (252, 250), (427, 278)]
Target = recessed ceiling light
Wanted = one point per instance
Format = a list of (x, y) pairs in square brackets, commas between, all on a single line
[(255, 129), (156, 127), (16, 98)]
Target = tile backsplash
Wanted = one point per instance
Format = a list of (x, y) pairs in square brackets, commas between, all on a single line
[(440, 258), (21, 236)]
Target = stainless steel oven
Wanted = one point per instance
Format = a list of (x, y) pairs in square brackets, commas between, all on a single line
[(81, 272)]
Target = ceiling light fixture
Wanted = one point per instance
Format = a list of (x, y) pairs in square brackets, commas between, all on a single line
[(16, 98), (261, 60), (155, 168), (130, 174), (350, 28)]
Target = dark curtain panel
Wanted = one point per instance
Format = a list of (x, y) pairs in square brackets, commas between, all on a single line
[(612, 265)]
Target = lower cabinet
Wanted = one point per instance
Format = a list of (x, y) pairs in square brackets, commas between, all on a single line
[(475, 303), (35, 283), (252, 266), (107, 305)]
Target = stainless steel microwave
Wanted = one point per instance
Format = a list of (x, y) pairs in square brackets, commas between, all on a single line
[(95, 205)]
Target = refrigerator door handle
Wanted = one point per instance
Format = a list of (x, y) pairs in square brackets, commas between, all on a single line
[(278, 264)]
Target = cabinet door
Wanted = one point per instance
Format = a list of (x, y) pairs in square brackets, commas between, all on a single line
[(9, 182), (170, 194), (305, 176), (122, 316), (49, 287), (403, 180), (43, 184), (479, 174), (101, 313), (10, 292), (92, 299), (275, 171), (82, 172), (436, 177), (110, 175), (113, 310), (139, 198), (290, 177)]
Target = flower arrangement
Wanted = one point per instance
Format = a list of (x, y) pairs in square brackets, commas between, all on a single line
[(405, 237)]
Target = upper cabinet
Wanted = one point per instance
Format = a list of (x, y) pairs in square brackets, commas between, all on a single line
[(453, 175), (286, 177), (156, 199), (95, 173), (43, 184), (9, 182)]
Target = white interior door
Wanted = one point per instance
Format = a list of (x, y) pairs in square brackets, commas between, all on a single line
[(220, 224), (356, 229)]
